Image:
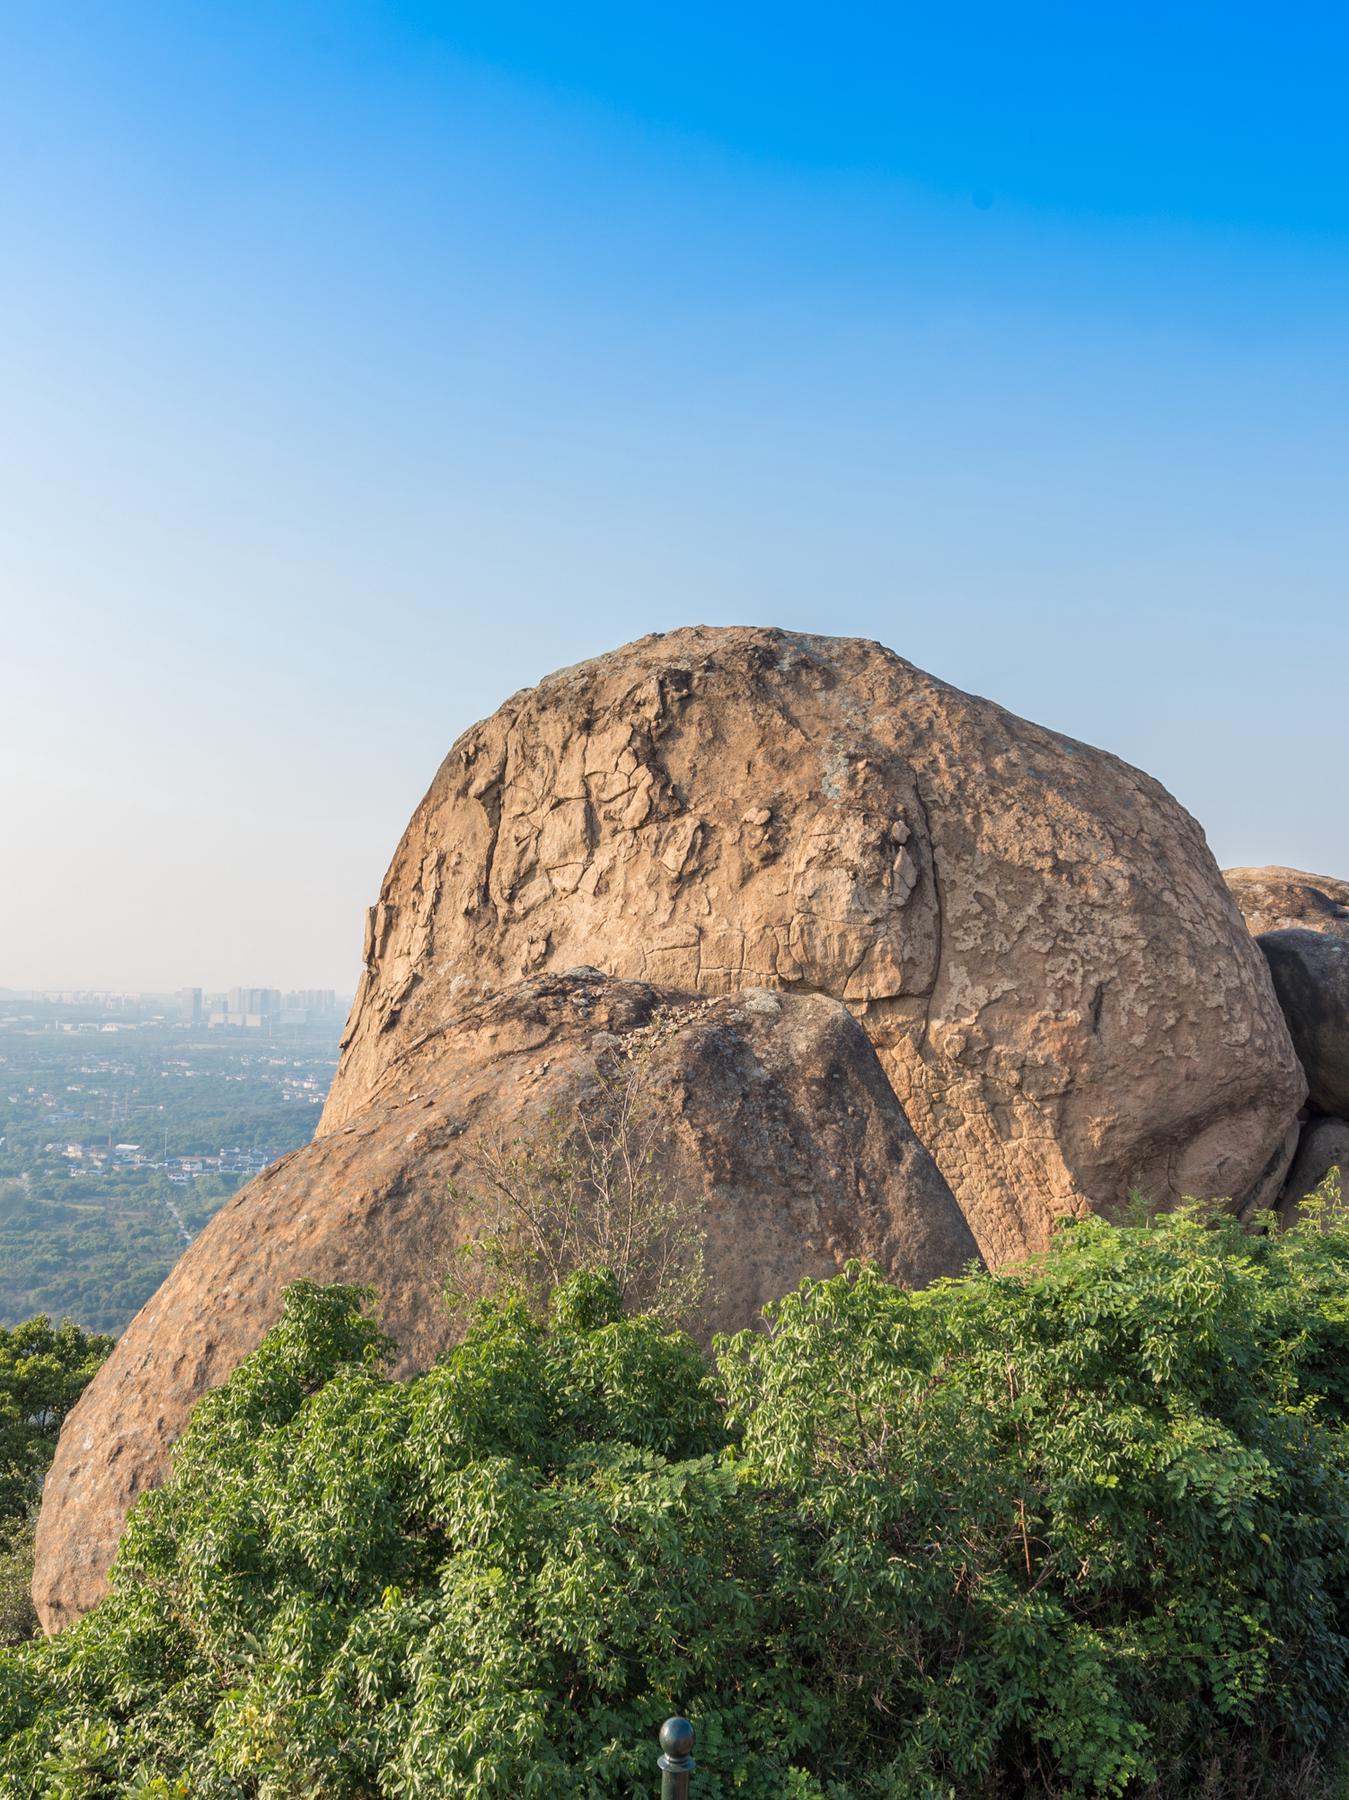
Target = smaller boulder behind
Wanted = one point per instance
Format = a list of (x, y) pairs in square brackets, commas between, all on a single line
[(1275, 899)]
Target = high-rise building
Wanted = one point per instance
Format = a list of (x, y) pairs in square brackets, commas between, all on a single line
[(190, 1000), (314, 1001), (255, 1000), (252, 1009)]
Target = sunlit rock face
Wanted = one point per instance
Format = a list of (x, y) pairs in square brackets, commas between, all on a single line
[(1034, 935)]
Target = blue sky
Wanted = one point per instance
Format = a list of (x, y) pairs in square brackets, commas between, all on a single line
[(360, 364)]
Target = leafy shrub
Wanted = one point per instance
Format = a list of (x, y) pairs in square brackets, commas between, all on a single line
[(18, 1618), (1081, 1529), (44, 1368), (1085, 1526)]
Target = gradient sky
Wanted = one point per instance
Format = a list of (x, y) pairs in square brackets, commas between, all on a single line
[(360, 364)]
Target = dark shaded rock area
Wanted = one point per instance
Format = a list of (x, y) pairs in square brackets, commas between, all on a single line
[(1310, 970)]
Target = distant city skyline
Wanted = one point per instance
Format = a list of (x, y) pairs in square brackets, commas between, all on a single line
[(66, 992), (235, 1007), (363, 365)]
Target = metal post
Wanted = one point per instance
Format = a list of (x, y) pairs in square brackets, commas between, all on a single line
[(676, 1763)]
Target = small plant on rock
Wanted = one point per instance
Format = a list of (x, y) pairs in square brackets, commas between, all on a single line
[(588, 1192)]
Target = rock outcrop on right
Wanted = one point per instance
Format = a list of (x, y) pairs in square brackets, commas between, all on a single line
[(1034, 935), (1301, 924), (1276, 899), (1310, 970)]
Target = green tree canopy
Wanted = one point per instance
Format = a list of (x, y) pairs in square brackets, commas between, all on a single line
[(43, 1370), (1079, 1529)]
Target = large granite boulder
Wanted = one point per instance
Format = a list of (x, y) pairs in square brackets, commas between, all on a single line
[(1276, 899), (1311, 978), (777, 1129), (762, 839), (1034, 935)]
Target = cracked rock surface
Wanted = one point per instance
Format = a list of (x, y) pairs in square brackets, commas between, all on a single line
[(1034, 935), (776, 1117)]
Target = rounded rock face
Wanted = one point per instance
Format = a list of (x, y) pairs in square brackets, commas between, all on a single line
[(1033, 934), (1311, 978), (775, 1122), (1276, 899)]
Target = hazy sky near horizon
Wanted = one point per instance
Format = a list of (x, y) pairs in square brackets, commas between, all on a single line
[(362, 363)]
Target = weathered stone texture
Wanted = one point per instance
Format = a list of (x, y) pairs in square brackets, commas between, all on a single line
[(1034, 934)]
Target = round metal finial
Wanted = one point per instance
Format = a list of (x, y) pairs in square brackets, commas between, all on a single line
[(676, 1739), (676, 1764)]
